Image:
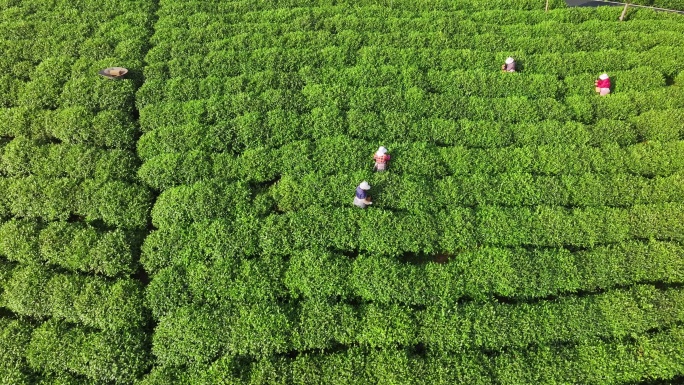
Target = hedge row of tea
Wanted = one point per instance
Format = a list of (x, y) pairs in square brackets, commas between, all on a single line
[(450, 229), (527, 231), (656, 355), (267, 328), (72, 211), (513, 273)]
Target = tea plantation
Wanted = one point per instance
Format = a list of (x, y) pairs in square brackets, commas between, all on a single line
[(192, 223)]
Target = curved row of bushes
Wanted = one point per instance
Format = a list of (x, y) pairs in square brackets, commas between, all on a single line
[(198, 333), (276, 128), (597, 362), (214, 276)]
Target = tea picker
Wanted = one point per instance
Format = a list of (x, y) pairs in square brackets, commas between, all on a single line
[(381, 158), (509, 65), (113, 72), (603, 85), (362, 199)]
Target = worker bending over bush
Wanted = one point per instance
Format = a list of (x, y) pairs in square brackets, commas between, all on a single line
[(362, 199), (603, 85)]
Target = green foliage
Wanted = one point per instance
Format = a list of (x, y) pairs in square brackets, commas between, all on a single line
[(116, 203), (71, 246), (25, 291), (108, 128), (35, 292), (587, 361), (201, 241), (57, 347), (224, 281), (10, 88), (606, 147), (14, 339), (424, 194), (15, 336), (22, 157), (661, 126), (41, 92), (508, 272), (492, 326), (201, 201), (113, 128), (321, 323), (257, 119), (313, 274), (184, 138), (19, 241)]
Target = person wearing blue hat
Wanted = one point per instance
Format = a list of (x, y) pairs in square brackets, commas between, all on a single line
[(362, 199)]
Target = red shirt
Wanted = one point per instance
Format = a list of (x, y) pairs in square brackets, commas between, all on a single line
[(603, 83), (382, 158)]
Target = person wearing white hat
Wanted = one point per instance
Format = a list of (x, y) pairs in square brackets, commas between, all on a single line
[(509, 66), (381, 158), (603, 84), (362, 199)]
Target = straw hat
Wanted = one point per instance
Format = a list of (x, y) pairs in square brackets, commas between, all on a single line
[(364, 185), (509, 60), (381, 151), (603, 76), (113, 72)]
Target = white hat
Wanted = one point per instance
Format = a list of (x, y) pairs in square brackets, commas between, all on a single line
[(603, 76), (364, 185), (509, 60), (381, 151)]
